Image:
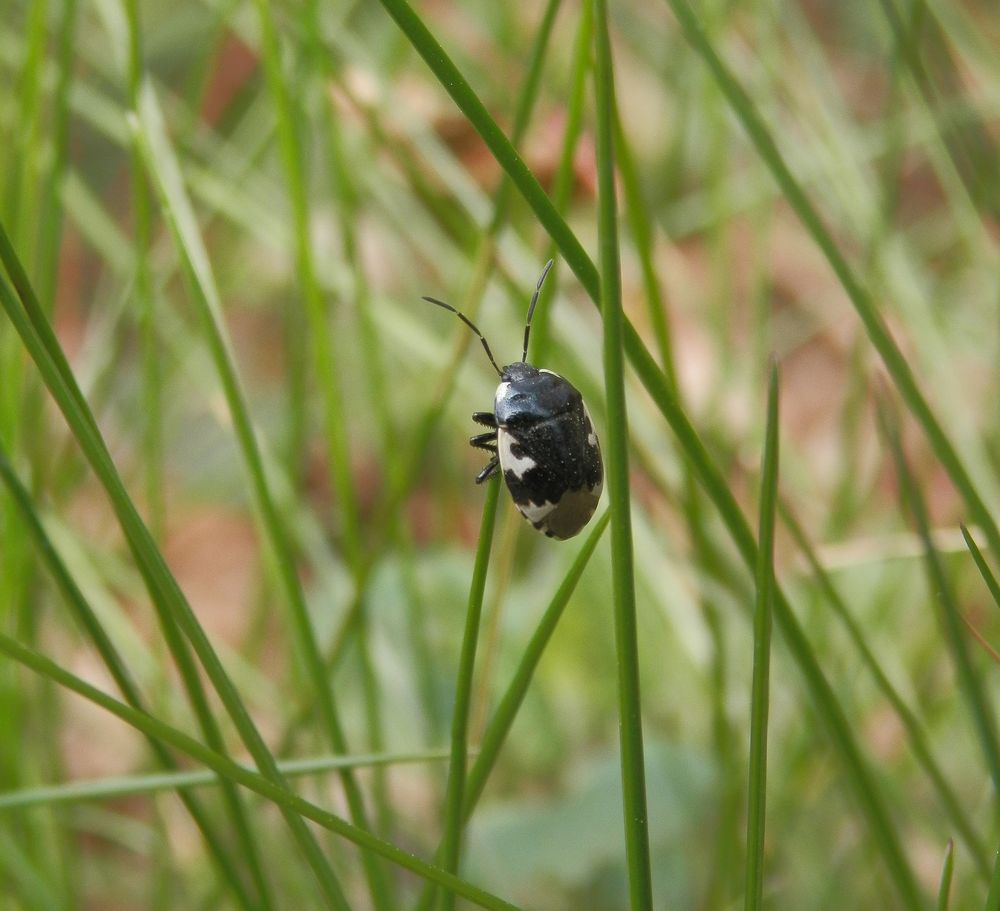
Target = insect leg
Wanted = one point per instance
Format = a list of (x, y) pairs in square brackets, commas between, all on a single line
[(486, 418), (486, 440), (488, 471)]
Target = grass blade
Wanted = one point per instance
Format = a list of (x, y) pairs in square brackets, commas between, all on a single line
[(115, 788), (499, 727), (173, 611), (947, 869), (452, 837), (506, 711), (982, 566), (993, 896), (166, 176), (87, 619), (969, 681), (760, 692), (911, 724), (895, 363), (222, 765), (619, 493), (859, 775), (142, 225)]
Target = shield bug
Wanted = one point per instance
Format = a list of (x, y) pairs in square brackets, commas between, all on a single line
[(541, 437)]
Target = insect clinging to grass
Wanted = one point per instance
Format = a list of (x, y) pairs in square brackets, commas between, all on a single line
[(541, 438)]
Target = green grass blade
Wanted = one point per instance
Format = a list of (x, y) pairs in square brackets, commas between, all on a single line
[(461, 92), (115, 788), (24, 174), (619, 492), (289, 802), (829, 709), (180, 216), (51, 227), (320, 338), (993, 896), (914, 730), (971, 685), (337, 450), (527, 98), (503, 718), (982, 566), (947, 869), (858, 774), (81, 421), (85, 616), (499, 727), (173, 610), (142, 225), (642, 234), (760, 690), (864, 305), (452, 836), (576, 99)]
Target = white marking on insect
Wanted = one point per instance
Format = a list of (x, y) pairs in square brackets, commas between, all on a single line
[(572, 512), (591, 436), (535, 513), (518, 465), (501, 392)]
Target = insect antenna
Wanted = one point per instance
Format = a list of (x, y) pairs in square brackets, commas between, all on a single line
[(531, 308), (468, 322)]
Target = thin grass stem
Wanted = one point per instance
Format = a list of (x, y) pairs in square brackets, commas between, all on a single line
[(619, 489), (221, 764), (859, 775), (760, 687), (454, 794)]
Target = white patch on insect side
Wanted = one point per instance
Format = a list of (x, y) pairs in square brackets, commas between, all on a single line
[(550, 372), (535, 513), (501, 393), (571, 513), (591, 436), (508, 461)]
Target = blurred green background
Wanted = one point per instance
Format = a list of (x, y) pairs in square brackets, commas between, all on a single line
[(268, 188)]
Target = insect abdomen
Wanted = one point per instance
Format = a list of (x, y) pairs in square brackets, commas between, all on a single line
[(554, 471)]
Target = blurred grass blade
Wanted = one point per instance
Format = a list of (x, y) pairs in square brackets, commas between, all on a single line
[(115, 788), (173, 611), (166, 176), (911, 724), (947, 869), (642, 235), (84, 615), (506, 155), (617, 474), (320, 342), (878, 333), (562, 186), (982, 566), (760, 690), (653, 379), (451, 840), (51, 226), (993, 896), (290, 803), (141, 229), (50, 360), (969, 680)]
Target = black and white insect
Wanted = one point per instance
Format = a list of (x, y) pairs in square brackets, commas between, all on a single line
[(542, 438)]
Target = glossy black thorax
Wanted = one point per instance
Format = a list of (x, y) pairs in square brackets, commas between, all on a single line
[(527, 395)]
